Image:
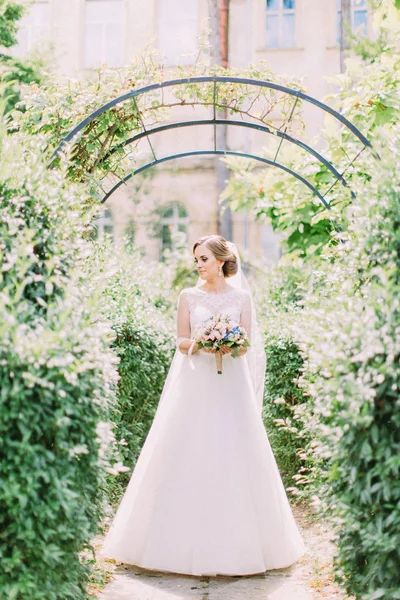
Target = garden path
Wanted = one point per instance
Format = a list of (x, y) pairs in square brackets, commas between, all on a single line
[(309, 579)]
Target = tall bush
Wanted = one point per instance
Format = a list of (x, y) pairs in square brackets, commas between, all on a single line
[(142, 317), (353, 375), (288, 408), (57, 378), (348, 329), (353, 343), (282, 395)]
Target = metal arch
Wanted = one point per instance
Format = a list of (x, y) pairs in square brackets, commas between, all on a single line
[(222, 153), (280, 134), (133, 94), (215, 79)]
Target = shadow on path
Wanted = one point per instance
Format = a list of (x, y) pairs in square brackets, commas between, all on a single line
[(133, 583), (309, 579)]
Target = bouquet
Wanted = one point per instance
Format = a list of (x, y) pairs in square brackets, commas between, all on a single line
[(220, 331)]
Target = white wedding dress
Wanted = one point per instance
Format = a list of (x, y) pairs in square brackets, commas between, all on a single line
[(206, 496)]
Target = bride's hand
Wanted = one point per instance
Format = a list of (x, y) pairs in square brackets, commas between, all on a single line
[(226, 350), (241, 352), (223, 350), (209, 350)]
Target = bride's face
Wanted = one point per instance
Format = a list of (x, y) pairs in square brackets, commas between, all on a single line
[(206, 264)]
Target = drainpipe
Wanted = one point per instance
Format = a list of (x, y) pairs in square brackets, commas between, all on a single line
[(224, 31)]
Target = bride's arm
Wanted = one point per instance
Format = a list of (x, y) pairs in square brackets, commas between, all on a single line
[(183, 341)]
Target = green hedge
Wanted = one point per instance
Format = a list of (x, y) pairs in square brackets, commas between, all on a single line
[(354, 369), (51, 388), (144, 361), (353, 350), (348, 330), (282, 396), (287, 408), (142, 316), (57, 379)]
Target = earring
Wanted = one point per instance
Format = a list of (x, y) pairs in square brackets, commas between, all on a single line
[(220, 271)]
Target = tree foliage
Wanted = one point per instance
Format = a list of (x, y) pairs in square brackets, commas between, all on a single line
[(14, 73), (10, 14), (369, 99)]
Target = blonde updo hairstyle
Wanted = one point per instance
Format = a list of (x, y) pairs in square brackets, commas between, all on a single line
[(220, 249)]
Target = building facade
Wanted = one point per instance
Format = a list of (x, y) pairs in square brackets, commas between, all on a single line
[(295, 37)]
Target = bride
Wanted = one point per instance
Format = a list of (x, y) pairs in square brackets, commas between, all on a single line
[(206, 497)]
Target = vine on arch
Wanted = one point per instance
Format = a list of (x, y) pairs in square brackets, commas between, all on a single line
[(55, 108)]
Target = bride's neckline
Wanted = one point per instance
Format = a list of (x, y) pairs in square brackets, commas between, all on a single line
[(230, 290)]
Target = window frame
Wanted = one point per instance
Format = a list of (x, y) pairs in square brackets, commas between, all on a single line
[(355, 7), (103, 220), (173, 61), (280, 12), (103, 59), (173, 221), (31, 41)]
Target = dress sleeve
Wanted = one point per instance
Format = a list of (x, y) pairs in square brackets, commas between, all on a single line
[(245, 317), (183, 319)]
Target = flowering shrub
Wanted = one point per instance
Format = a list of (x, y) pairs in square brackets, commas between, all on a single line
[(348, 329), (352, 373), (142, 317), (288, 408), (57, 379), (282, 396)]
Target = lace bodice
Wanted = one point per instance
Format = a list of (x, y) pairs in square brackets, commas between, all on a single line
[(203, 305)]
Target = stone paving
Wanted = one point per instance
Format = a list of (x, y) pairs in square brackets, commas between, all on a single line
[(135, 584), (309, 579)]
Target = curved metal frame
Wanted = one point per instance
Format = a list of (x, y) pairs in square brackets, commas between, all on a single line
[(222, 153), (263, 128), (217, 79)]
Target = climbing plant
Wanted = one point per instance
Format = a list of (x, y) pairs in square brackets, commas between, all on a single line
[(100, 150)]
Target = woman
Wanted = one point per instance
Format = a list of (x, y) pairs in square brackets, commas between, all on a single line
[(206, 497)]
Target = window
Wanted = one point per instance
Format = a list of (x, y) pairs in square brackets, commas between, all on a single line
[(177, 30), (104, 224), (359, 17), (281, 24), (104, 33), (174, 220), (35, 27)]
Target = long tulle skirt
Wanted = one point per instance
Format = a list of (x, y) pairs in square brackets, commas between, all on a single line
[(206, 496)]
